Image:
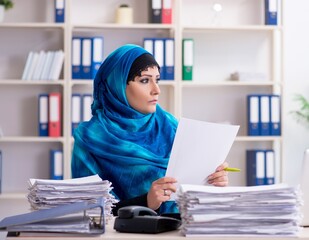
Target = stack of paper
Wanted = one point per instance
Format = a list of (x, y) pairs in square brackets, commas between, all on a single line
[(259, 210), (45, 194)]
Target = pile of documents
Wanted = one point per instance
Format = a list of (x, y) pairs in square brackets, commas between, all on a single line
[(272, 210), (46, 194)]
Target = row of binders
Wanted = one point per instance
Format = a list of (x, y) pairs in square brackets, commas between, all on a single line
[(272, 211), (260, 166), (87, 56), (264, 115), (43, 65), (161, 11), (163, 51), (81, 109), (49, 106)]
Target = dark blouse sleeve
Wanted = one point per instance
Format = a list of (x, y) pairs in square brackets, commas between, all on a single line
[(139, 201)]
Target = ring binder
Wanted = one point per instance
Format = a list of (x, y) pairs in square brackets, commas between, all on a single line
[(59, 219)]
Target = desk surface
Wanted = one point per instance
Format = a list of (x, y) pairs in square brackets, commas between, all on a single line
[(110, 233)]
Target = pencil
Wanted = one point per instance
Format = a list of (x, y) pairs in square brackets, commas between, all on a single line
[(229, 169)]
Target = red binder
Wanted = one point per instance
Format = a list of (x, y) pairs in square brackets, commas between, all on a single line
[(167, 11), (54, 123)]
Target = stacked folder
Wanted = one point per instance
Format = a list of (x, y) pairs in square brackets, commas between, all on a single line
[(46, 194), (272, 210)]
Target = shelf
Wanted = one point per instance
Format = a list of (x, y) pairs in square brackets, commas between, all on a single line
[(32, 139), (258, 138), (13, 196), (32, 25), (229, 83), (89, 26), (60, 82), (231, 28)]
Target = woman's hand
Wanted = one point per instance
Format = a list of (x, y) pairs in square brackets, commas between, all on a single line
[(160, 191), (220, 177)]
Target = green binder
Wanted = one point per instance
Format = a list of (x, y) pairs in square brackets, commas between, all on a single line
[(187, 58)]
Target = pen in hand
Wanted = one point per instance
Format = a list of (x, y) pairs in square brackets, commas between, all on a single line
[(229, 169)]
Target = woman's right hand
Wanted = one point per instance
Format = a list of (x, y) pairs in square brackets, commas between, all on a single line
[(160, 191)]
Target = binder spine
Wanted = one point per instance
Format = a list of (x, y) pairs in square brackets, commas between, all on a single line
[(59, 11), (271, 12), (54, 127), (97, 55), (86, 107), (56, 164), (265, 115), (149, 45), (275, 115), (155, 11), (159, 55), (167, 11), (169, 58), (255, 161), (43, 114), (253, 105), (270, 167), (86, 58), (76, 57), (187, 59), (75, 111)]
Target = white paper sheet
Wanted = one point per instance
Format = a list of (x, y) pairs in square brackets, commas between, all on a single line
[(199, 148)]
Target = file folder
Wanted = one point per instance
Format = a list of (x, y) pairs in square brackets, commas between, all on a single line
[(275, 115), (56, 164), (97, 55), (59, 11), (271, 12), (43, 114), (76, 58), (167, 11), (54, 220), (159, 55), (264, 115), (86, 58), (270, 167), (187, 59), (253, 107), (86, 107), (155, 11), (148, 45), (169, 58), (255, 160), (54, 126), (76, 110)]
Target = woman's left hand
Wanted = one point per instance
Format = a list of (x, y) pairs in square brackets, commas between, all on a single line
[(220, 177)]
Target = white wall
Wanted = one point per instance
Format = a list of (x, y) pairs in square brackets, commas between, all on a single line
[(296, 68)]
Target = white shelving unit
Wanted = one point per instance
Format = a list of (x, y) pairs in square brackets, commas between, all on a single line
[(234, 39)]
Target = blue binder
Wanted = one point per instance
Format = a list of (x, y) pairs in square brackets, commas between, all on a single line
[(253, 108), (159, 55), (87, 100), (43, 114), (149, 45), (76, 58), (76, 110), (271, 12), (56, 164), (270, 167), (97, 55), (275, 115), (264, 120), (73, 214), (86, 58), (169, 58), (255, 165), (59, 11)]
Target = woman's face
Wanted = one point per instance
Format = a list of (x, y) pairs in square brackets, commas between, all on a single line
[(143, 92)]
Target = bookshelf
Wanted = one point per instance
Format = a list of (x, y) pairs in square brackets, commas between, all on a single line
[(235, 39)]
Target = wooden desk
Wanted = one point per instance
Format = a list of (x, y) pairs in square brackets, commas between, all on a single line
[(111, 234)]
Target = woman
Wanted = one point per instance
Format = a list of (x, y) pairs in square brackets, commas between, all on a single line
[(129, 138)]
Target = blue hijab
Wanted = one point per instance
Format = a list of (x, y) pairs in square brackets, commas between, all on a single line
[(122, 145)]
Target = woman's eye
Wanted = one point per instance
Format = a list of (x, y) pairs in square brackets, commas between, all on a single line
[(144, 80), (158, 80)]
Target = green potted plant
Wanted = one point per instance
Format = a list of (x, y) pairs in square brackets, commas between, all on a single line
[(302, 114), (5, 5)]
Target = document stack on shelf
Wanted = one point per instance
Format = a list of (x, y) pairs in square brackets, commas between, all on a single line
[(46, 194), (271, 210)]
